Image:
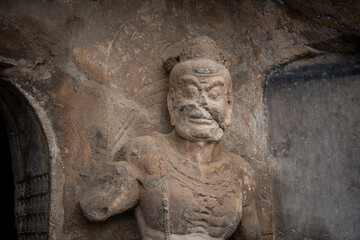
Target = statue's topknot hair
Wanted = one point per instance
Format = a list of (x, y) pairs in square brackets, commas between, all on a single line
[(200, 47)]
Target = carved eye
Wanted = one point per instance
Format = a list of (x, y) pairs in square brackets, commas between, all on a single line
[(192, 92), (213, 95)]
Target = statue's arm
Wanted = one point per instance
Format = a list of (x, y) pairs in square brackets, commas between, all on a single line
[(112, 191), (249, 227)]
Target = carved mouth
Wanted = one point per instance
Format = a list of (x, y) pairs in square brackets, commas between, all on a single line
[(201, 120), (197, 116)]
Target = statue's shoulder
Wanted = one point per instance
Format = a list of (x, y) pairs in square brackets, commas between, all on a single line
[(242, 169), (141, 151), (237, 162), (242, 164), (142, 143)]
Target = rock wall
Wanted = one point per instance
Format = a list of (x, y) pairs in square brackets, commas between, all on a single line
[(95, 68), (314, 137)]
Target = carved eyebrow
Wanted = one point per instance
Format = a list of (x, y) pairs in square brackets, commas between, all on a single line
[(216, 82), (190, 79)]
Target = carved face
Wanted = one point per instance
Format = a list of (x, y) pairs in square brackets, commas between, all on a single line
[(199, 99)]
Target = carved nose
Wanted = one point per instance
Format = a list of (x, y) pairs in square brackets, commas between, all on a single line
[(202, 100)]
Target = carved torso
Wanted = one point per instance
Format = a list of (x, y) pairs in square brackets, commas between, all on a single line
[(179, 197)]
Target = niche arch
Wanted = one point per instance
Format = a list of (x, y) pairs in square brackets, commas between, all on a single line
[(36, 165)]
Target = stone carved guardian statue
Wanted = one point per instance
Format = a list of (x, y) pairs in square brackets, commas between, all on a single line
[(183, 185)]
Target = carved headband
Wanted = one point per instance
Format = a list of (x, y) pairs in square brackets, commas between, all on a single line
[(201, 47)]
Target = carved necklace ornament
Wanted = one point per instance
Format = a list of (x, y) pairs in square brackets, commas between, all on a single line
[(165, 202)]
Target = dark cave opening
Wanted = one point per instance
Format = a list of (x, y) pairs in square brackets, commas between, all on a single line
[(25, 172), (7, 179)]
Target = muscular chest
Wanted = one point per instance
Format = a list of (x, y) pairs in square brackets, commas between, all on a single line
[(189, 203)]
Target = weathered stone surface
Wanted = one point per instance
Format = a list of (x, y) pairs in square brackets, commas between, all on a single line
[(314, 138), (96, 68)]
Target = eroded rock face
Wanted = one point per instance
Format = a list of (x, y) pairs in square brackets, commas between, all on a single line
[(183, 185), (314, 128)]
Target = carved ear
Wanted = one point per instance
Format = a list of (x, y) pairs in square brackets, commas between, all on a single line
[(226, 61), (171, 106), (228, 117)]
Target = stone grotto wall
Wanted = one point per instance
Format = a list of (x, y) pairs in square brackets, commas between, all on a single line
[(314, 129), (94, 72)]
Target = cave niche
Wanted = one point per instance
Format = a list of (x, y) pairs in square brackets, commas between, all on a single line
[(29, 156)]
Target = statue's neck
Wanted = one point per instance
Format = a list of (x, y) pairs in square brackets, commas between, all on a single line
[(197, 151)]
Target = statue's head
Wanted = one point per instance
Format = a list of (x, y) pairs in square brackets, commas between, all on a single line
[(199, 98)]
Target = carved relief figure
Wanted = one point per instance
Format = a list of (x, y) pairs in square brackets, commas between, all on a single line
[(183, 185)]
